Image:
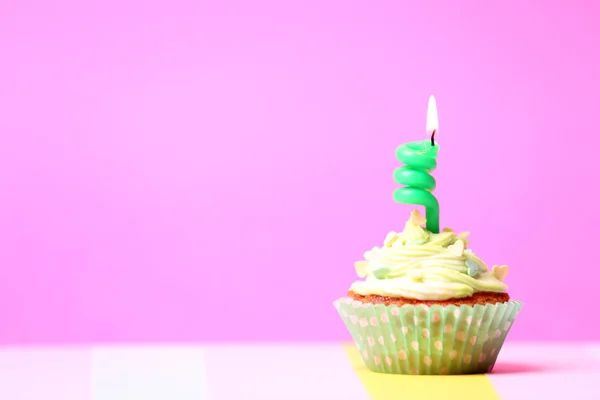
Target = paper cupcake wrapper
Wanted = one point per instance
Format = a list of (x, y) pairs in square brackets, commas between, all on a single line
[(428, 340)]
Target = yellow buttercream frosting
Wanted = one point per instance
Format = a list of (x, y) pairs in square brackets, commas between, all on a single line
[(418, 264)]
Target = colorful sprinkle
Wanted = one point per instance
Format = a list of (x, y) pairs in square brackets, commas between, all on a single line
[(457, 248), (381, 273), (500, 271), (360, 268), (416, 218), (472, 268)]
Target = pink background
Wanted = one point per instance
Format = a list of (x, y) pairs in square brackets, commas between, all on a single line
[(211, 170)]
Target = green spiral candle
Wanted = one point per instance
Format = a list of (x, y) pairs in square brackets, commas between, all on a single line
[(420, 159)]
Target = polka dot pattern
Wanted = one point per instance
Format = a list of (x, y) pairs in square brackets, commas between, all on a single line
[(416, 339)]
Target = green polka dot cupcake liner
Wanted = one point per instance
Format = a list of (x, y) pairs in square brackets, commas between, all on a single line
[(428, 340)]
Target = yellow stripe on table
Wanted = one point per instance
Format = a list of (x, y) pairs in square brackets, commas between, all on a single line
[(424, 387)]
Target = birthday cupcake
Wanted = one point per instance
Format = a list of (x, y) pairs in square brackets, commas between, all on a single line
[(427, 305)]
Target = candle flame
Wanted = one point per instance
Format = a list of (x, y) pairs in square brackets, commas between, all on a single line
[(432, 117)]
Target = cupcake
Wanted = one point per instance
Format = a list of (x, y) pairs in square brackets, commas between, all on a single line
[(427, 305)]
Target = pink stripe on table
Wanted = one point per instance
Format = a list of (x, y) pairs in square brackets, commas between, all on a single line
[(281, 372), (547, 371), (45, 374)]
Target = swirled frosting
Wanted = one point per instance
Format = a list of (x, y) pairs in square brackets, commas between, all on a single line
[(418, 264)]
